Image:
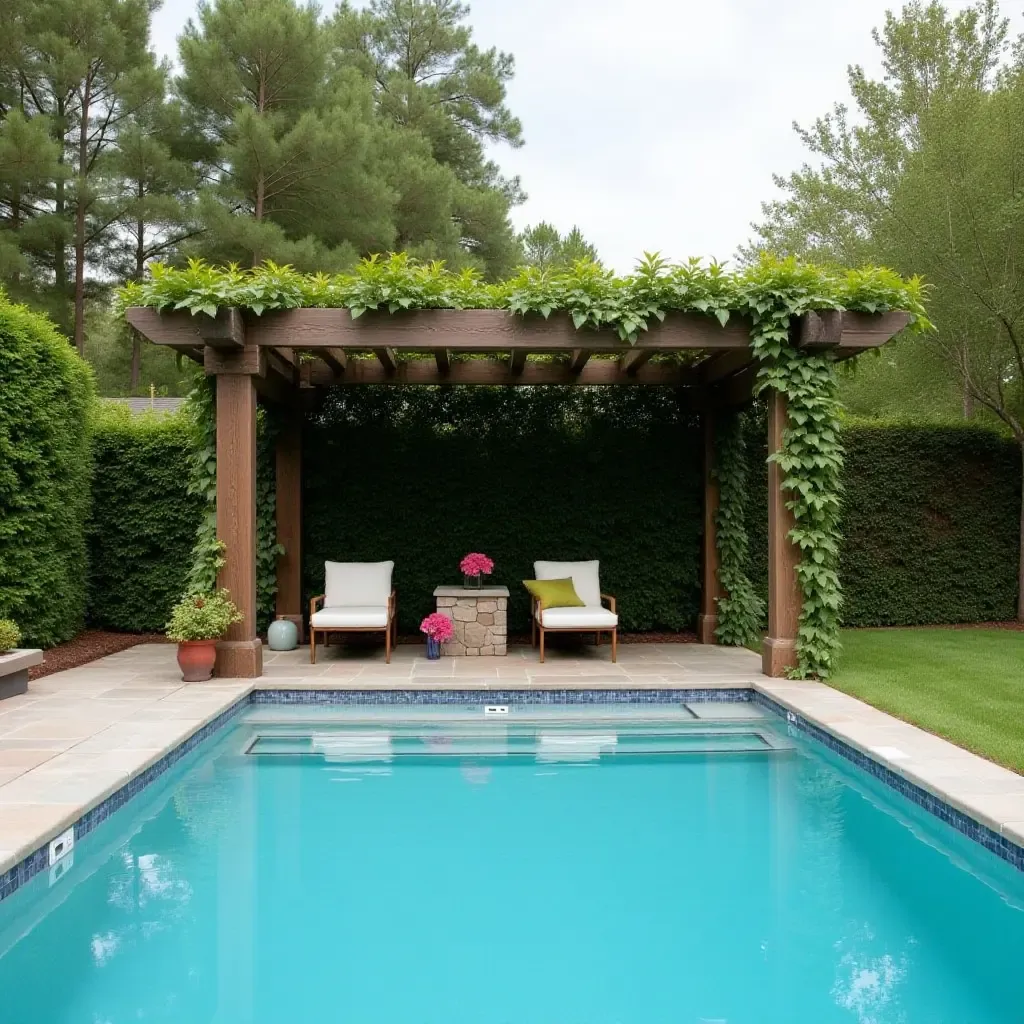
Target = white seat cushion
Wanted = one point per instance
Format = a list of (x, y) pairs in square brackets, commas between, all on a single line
[(357, 584), (584, 576), (577, 618), (353, 616)]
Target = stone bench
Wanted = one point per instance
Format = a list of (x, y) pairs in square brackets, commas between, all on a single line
[(480, 617), (14, 666)]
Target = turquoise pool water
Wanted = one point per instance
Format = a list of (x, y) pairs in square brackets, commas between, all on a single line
[(566, 870)]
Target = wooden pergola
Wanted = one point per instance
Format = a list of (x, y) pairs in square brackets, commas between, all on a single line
[(260, 355)]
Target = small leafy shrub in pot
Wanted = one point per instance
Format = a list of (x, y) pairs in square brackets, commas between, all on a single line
[(10, 636), (202, 617), (197, 623)]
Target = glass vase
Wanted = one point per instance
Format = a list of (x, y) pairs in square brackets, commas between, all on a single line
[(433, 648)]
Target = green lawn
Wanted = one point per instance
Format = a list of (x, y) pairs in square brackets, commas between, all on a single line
[(964, 684)]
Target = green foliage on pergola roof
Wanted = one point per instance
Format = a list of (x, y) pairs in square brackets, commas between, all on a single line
[(593, 296)]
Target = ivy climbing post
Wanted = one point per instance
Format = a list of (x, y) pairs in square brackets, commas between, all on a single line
[(739, 610), (711, 586), (289, 518), (779, 648)]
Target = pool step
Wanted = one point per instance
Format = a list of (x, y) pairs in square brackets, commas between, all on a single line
[(548, 744)]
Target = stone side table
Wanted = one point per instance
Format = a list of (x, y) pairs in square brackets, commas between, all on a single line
[(480, 617)]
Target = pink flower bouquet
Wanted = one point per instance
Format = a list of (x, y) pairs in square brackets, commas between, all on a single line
[(476, 564), (438, 627)]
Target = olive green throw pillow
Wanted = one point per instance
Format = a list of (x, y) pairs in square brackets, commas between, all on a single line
[(554, 593)]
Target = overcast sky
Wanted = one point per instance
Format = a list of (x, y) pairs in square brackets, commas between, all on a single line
[(657, 124)]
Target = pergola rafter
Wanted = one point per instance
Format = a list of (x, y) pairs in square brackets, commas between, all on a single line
[(488, 346), (285, 354)]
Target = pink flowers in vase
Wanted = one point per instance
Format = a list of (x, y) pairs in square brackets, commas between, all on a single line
[(476, 564), (438, 627)]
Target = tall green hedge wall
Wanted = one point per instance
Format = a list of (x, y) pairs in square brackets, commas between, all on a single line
[(143, 523), (46, 400), (424, 476), (930, 522)]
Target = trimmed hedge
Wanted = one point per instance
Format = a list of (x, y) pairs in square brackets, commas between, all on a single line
[(46, 399), (930, 522), (144, 521), (425, 475)]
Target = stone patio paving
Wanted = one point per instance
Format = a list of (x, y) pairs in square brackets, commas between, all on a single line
[(78, 736)]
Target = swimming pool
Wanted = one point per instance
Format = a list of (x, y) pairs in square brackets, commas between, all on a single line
[(557, 865)]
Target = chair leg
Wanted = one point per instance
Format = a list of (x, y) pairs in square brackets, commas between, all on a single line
[(312, 646), (387, 645), (533, 629), (615, 644), (541, 628), (597, 636)]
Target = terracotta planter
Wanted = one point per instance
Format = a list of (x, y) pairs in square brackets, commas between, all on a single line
[(196, 658)]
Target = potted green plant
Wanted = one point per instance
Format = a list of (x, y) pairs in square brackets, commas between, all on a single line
[(198, 621)]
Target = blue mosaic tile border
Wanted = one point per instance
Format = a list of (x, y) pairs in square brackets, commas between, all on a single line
[(434, 696), (995, 843), (38, 860)]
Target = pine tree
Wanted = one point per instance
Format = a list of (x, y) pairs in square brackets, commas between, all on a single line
[(151, 195), (293, 157), (430, 81), (82, 62), (28, 168)]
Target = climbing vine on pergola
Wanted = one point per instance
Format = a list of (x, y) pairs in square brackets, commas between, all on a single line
[(719, 337)]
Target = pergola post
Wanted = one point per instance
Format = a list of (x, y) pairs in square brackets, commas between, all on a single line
[(778, 651), (289, 519), (711, 587), (240, 654)]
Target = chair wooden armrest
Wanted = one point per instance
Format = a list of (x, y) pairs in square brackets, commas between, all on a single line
[(611, 602), (392, 602), (313, 601)]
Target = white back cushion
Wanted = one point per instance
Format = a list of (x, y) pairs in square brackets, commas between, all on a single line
[(584, 576), (357, 583)]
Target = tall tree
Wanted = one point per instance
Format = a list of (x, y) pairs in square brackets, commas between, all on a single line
[(429, 75), (82, 61), (29, 166), (292, 156), (430, 80), (931, 180), (151, 196)]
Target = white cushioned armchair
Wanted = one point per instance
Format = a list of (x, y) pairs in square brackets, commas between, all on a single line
[(593, 617), (357, 598)]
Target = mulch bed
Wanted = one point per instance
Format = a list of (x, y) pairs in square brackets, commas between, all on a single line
[(88, 646)]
